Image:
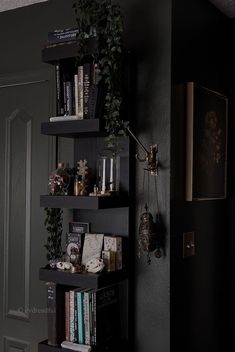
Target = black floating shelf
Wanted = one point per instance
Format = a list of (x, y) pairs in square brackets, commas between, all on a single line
[(71, 129), (116, 346), (83, 280), (74, 202), (68, 50)]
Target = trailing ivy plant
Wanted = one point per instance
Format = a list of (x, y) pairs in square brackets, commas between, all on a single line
[(106, 20), (53, 223)]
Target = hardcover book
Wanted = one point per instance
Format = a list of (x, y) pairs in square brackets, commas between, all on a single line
[(55, 313), (86, 88), (80, 107), (62, 35), (67, 309), (114, 243), (107, 321), (109, 258), (74, 240), (59, 92), (80, 305)]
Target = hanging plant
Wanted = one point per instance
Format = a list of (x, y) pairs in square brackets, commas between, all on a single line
[(53, 223), (105, 20)]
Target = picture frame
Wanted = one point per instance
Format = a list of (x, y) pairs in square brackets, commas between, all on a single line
[(206, 143), (79, 227)]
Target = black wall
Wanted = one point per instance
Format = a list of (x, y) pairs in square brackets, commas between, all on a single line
[(178, 41), (23, 33), (199, 285)]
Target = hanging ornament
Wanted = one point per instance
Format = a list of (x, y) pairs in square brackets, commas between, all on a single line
[(150, 235)]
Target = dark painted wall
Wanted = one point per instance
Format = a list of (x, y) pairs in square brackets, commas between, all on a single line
[(231, 184), (23, 33), (199, 285)]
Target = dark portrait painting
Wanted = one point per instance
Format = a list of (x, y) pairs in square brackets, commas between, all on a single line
[(206, 144)]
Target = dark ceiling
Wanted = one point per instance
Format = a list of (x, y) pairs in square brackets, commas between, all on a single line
[(225, 6)]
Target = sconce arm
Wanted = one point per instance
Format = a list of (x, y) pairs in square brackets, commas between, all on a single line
[(137, 140)]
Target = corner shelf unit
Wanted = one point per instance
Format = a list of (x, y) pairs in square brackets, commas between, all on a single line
[(73, 129), (121, 346), (118, 221), (55, 53), (82, 280), (84, 202)]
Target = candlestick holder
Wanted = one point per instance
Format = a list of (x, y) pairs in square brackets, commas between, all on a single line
[(108, 173)]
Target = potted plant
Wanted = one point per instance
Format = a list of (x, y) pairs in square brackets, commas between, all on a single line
[(106, 20)]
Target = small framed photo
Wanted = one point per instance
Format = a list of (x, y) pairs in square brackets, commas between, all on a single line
[(206, 143), (79, 227)]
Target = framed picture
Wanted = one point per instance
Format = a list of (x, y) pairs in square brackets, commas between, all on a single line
[(92, 248), (79, 227), (206, 143)]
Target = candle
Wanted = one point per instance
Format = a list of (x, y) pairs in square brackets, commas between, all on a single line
[(111, 174), (103, 177)]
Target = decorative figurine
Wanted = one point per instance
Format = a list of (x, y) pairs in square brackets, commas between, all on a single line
[(94, 265), (80, 183), (64, 265)]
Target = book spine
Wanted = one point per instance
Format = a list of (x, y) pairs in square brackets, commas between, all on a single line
[(94, 316), (93, 95), (86, 87), (67, 308), (75, 317), (63, 118), (86, 318), (51, 314), (80, 318), (119, 253), (69, 97), (90, 318), (65, 99), (59, 98), (80, 93), (114, 243), (76, 93), (71, 316), (62, 36), (109, 258)]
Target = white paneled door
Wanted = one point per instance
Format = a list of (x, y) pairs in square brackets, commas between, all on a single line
[(25, 160)]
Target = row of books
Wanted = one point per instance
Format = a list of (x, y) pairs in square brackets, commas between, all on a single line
[(92, 316), (77, 94), (60, 36)]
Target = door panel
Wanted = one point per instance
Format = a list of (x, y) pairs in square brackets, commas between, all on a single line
[(25, 158)]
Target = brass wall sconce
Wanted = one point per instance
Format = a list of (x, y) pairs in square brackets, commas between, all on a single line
[(151, 234), (150, 158)]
